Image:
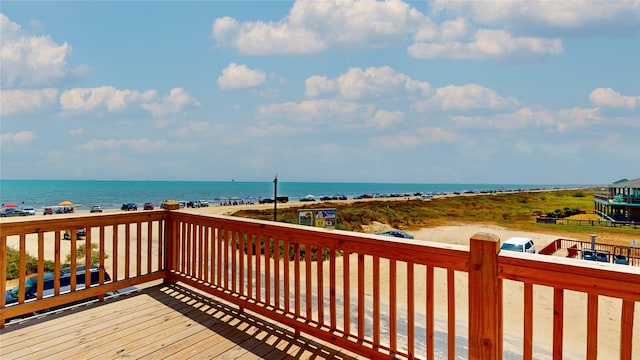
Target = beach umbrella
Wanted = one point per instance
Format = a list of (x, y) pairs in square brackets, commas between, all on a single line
[(65, 203), (9, 205)]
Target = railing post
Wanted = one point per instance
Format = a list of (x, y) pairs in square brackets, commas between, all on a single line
[(485, 298), (169, 240)]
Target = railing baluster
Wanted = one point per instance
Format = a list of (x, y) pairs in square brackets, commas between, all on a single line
[(267, 270), (114, 246), (40, 291), (296, 279), (429, 313), (592, 327), (626, 329), (234, 264), (410, 311), (287, 277), (320, 284), (228, 240), (138, 248), (242, 255), (258, 247), (3, 279), (346, 294), (87, 258), (102, 253), (528, 321), (249, 240), (558, 321), (361, 307), (451, 315), (307, 281), (149, 246), (222, 233), (73, 267), (332, 288), (276, 262), (376, 301), (127, 250), (393, 346)]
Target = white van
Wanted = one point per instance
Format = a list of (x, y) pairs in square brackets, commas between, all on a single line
[(520, 244)]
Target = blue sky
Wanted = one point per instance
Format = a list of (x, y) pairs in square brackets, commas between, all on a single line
[(346, 91)]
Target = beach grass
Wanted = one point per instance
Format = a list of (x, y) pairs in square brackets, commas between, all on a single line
[(513, 210)]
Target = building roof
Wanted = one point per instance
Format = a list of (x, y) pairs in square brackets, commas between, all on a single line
[(634, 184)]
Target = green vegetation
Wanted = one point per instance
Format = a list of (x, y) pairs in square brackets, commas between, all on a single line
[(510, 210), (13, 261)]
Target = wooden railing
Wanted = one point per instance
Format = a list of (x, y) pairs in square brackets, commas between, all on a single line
[(377, 296), (129, 247)]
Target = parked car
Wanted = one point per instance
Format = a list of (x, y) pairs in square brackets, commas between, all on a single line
[(31, 284), (29, 211), (80, 233), (147, 206), (96, 209), (396, 233), (203, 203), (129, 206), (48, 211), (12, 212), (519, 244)]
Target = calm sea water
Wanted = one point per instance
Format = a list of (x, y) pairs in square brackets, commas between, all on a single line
[(111, 194)]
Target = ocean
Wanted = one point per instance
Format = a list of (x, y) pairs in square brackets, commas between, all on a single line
[(111, 194)]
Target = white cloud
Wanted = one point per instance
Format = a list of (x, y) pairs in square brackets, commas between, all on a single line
[(610, 98), (383, 119), (175, 102), (486, 44), (112, 100), (397, 141), (101, 98), (448, 30), (466, 97), (237, 76), (26, 101), (318, 111), (373, 82), (544, 14), (20, 138), (142, 145), (313, 26), (29, 60), (560, 120), (76, 132), (437, 135)]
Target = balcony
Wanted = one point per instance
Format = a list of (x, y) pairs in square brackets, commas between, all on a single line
[(219, 286)]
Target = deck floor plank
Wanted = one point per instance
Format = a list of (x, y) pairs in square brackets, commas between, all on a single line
[(164, 321)]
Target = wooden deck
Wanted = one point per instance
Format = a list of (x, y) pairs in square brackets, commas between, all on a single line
[(164, 321)]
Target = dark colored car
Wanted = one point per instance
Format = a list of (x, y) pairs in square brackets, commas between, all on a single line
[(80, 233), (12, 212), (129, 206), (396, 233), (148, 206), (31, 284), (48, 211)]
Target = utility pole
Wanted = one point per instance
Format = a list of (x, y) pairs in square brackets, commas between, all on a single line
[(275, 198)]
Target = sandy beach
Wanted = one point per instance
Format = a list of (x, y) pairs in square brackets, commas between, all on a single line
[(575, 304)]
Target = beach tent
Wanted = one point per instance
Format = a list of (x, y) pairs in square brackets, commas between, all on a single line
[(9, 205), (65, 203)]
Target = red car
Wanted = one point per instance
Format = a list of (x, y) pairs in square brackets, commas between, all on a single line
[(148, 206)]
